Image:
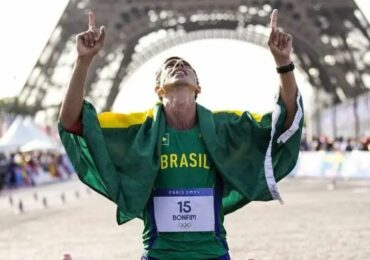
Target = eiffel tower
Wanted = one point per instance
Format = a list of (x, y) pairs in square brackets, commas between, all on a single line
[(331, 42)]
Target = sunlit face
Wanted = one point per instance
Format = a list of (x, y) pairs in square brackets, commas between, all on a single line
[(177, 74)]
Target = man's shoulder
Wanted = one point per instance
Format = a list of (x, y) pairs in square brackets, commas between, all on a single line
[(124, 120), (228, 112), (232, 114)]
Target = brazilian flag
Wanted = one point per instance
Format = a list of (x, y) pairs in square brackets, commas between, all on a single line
[(118, 155)]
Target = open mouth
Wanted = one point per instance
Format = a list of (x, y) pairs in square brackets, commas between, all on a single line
[(179, 72)]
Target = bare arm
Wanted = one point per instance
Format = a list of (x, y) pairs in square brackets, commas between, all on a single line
[(88, 44), (280, 44), (73, 100), (288, 93)]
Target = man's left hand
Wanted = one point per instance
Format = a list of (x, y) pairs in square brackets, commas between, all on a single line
[(280, 43)]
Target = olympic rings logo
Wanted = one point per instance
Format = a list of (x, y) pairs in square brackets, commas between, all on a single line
[(184, 225)]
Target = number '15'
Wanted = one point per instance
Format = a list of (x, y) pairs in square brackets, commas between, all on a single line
[(184, 206)]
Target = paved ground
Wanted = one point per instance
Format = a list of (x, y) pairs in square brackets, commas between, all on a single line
[(314, 223)]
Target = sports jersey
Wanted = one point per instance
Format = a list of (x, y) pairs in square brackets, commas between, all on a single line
[(185, 170)]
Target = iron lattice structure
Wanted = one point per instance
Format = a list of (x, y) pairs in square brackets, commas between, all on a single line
[(331, 42)]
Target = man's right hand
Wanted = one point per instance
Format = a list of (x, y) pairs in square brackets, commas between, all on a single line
[(91, 41), (88, 44)]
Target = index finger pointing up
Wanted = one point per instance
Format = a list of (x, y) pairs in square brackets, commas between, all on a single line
[(274, 16), (91, 20)]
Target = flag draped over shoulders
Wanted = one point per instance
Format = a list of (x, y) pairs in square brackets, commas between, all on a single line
[(252, 153), (118, 155)]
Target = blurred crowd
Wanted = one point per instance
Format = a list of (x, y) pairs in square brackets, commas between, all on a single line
[(34, 168), (338, 144)]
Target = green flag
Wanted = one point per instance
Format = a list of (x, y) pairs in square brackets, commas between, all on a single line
[(118, 154)]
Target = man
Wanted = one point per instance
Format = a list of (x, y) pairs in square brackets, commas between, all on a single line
[(180, 167)]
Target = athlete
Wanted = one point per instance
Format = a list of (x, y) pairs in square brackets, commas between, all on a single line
[(179, 166)]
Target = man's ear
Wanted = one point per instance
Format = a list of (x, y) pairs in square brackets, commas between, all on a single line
[(198, 89), (159, 91)]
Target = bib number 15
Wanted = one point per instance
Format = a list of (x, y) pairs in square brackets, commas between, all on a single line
[(184, 206)]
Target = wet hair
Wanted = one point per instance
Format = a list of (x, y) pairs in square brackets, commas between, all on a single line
[(158, 74)]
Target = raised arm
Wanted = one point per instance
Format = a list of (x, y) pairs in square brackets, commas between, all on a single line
[(88, 44), (280, 44)]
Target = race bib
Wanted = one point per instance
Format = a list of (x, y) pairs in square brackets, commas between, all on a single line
[(184, 210)]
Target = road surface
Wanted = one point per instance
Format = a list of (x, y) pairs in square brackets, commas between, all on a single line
[(314, 223)]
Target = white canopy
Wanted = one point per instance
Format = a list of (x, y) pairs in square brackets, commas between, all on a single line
[(22, 132), (39, 145)]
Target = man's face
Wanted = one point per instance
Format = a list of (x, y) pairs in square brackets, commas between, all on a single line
[(177, 72)]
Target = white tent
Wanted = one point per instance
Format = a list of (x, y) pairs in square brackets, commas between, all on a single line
[(22, 132), (40, 145)]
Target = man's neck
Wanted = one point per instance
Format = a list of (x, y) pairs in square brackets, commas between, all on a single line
[(180, 116)]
